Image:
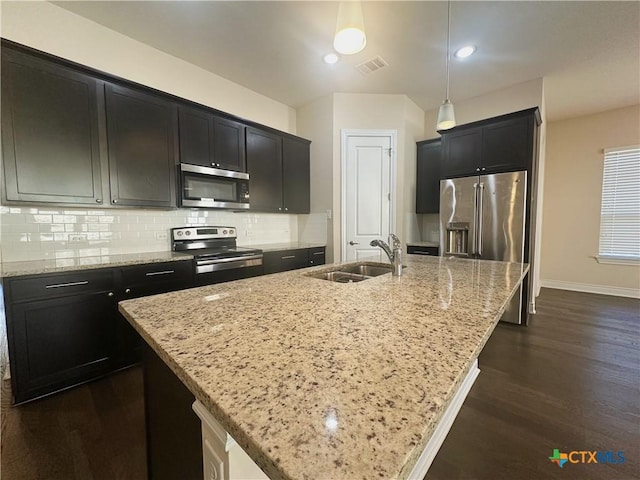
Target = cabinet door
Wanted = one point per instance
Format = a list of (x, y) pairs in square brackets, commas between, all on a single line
[(284, 260), (295, 175), (60, 342), (507, 146), (316, 256), (428, 177), (141, 131), (229, 144), (264, 164), (49, 132), (461, 153), (196, 137)]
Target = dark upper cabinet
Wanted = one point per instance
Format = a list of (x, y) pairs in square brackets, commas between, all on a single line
[(495, 145), (229, 144), (264, 164), (462, 153), (278, 169), (141, 136), (211, 141), (507, 145), (196, 137), (428, 176), (50, 132), (295, 174)]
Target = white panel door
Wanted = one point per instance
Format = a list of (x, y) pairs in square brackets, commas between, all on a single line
[(368, 193)]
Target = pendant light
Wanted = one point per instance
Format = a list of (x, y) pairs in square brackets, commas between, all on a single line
[(446, 117), (350, 37)]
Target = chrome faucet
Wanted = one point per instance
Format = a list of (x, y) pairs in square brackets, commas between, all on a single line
[(394, 252)]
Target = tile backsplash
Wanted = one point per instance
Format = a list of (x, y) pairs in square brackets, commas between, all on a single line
[(70, 233)]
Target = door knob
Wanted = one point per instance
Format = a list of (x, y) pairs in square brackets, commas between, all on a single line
[(352, 243)]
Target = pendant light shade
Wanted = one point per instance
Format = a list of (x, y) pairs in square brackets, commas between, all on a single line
[(446, 117), (350, 37)]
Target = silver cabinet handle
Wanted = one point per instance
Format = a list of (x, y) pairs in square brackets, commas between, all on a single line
[(98, 200), (70, 284), (163, 272), (318, 253), (110, 294), (127, 290), (478, 169), (480, 218), (352, 243), (288, 257), (115, 200)]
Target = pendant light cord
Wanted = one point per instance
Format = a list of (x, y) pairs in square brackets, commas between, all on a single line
[(448, 42)]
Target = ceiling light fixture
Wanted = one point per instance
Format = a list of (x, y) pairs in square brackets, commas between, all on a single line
[(446, 117), (331, 58), (350, 37), (465, 51)]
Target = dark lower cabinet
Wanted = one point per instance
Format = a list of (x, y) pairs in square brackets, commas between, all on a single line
[(65, 329), (428, 176), (142, 143), (63, 338), (284, 260), (50, 135), (422, 250), (174, 438)]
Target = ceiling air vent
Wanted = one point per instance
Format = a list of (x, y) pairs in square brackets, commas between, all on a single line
[(372, 65)]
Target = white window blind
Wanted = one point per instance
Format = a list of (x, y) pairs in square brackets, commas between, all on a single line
[(620, 211)]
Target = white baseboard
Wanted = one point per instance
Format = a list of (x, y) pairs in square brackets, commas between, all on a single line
[(588, 288)]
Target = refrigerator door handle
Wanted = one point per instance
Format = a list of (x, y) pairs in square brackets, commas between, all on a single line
[(480, 218), (474, 238)]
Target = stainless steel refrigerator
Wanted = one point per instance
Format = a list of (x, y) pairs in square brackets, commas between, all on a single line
[(484, 217)]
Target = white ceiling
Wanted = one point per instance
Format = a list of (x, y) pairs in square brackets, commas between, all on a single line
[(588, 52)]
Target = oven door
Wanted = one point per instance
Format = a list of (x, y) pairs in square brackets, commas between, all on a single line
[(213, 188)]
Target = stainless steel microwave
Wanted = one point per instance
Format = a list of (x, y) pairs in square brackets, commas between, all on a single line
[(213, 188)]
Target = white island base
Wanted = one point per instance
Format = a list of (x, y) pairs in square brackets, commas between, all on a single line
[(224, 459)]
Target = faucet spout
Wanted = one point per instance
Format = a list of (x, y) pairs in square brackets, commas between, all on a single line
[(394, 255)]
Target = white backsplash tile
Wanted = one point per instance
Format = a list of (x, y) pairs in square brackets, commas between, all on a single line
[(64, 234)]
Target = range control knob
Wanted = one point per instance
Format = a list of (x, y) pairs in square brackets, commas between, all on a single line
[(179, 233), (187, 233), (231, 231), (224, 232)]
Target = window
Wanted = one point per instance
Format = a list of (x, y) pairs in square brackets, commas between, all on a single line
[(620, 211)]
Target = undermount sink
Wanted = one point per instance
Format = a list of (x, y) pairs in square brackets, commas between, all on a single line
[(352, 273)]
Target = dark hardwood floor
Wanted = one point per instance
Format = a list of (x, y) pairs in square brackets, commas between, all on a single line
[(571, 381)]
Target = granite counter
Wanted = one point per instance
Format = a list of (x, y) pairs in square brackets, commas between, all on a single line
[(316, 379)]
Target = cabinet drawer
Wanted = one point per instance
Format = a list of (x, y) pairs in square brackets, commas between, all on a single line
[(284, 260), (317, 256), (416, 250), (59, 285), (154, 273)]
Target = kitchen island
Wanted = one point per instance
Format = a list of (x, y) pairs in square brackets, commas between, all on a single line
[(316, 379)]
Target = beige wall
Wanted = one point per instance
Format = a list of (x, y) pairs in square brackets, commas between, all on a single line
[(46, 27), (572, 195), (45, 233)]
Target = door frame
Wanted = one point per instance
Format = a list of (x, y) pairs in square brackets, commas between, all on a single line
[(345, 134)]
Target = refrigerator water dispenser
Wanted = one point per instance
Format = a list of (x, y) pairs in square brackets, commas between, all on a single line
[(458, 238)]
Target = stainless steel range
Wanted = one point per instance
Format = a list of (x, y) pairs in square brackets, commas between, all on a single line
[(217, 257)]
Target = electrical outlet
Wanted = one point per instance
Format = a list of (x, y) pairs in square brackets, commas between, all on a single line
[(328, 214), (77, 237), (161, 235)]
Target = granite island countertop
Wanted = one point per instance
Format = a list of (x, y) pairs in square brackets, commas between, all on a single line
[(316, 379)]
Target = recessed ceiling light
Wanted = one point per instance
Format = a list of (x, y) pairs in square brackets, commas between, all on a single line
[(465, 51), (331, 58)]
